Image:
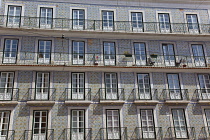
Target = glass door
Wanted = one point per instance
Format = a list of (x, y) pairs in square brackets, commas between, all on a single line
[(109, 53), (14, 16), (78, 86), (108, 20), (111, 86), (113, 125), (10, 51), (78, 125), (192, 22), (198, 55), (4, 125), (174, 87), (46, 17), (204, 82), (78, 53), (147, 124), (44, 52), (140, 53), (180, 126), (6, 85), (168, 54), (78, 18), (207, 114), (137, 21), (40, 125), (164, 22), (144, 92), (42, 86)]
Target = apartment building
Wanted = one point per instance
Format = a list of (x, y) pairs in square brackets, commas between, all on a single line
[(104, 70)]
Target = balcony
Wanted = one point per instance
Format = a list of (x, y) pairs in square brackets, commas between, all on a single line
[(41, 96), (145, 96), (202, 96), (7, 134), (78, 134), (111, 95), (99, 25), (76, 96), (113, 133), (39, 134), (175, 96), (204, 133), (151, 133), (9, 96), (181, 133)]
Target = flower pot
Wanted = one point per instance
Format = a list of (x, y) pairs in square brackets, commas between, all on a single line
[(95, 63), (184, 66), (128, 55), (153, 56)]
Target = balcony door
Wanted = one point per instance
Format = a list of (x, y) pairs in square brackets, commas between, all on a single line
[(10, 51), (78, 19), (4, 125), (78, 125), (164, 22), (40, 125), (198, 55), (46, 17), (174, 87), (207, 114), (42, 86), (111, 86), (14, 16), (204, 82), (109, 53), (192, 22), (168, 54), (180, 127), (108, 20), (113, 125), (144, 91), (78, 86), (44, 52), (78, 51), (137, 21), (140, 53), (6, 85), (147, 124)]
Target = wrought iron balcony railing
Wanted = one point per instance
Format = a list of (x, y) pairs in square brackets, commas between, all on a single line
[(39, 134), (100, 25), (9, 94), (174, 94), (7, 134), (152, 133), (181, 133), (97, 59), (113, 133), (145, 94), (204, 133), (78, 134), (111, 94), (41, 94), (202, 94), (78, 94)]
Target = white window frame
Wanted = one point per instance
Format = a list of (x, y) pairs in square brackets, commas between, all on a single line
[(79, 8), (14, 4), (198, 18), (101, 17), (45, 6), (170, 19), (143, 18), (204, 115), (11, 121)]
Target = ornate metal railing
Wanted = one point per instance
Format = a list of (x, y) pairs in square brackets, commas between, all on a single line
[(41, 94), (118, 133), (78, 134), (202, 94), (174, 94), (39, 134), (181, 133), (77, 94), (99, 25), (7, 134), (111, 94), (9, 94), (152, 133), (145, 94)]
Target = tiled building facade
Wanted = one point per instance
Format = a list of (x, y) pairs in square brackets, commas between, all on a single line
[(104, 70)]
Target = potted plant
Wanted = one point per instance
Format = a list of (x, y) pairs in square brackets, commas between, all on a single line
[(153, 55), (127, 54)]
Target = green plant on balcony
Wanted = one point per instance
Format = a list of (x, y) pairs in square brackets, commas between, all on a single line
[(127, 54)]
